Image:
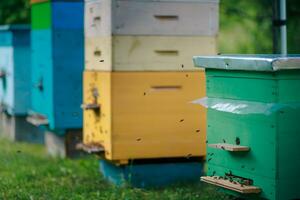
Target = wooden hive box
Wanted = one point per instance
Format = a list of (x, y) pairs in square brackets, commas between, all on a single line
[(57, 61), (140, 115), (15, 63), (146, 53), (252, 124), (151, 17)]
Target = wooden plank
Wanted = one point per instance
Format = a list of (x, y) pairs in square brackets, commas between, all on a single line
[(91, 106), (37, 120), (229, 147), (231, 185), (90, 148)]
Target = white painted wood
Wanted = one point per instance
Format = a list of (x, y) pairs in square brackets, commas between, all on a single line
[(146, 53), (130, 17)]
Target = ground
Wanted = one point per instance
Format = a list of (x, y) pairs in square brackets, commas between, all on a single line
[(26, 172)]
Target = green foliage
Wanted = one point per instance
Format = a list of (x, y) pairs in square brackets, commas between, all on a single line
[(27, 173), (14, 11), (246, 26)]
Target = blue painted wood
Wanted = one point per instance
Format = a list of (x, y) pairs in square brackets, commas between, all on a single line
[(67, 15), (15, 62), (151, 175), (58, 64)]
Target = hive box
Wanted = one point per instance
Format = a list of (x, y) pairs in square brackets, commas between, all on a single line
[(145, 53), (15, 67), (253, 124), (57, 61), (152, 175), (134, 115), (164, 17), (59, 14)]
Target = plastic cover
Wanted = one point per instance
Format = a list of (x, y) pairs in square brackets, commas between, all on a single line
[(243, 107)]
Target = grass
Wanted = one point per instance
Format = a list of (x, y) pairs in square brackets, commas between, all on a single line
[(27, 173)]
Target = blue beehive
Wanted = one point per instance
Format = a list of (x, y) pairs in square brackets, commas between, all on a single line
[(15, 66), (58, 61)]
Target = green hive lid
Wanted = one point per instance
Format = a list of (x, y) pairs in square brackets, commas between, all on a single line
[(249, 62), (15, 27)]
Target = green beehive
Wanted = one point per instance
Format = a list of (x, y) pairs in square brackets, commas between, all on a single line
[(253, 124)]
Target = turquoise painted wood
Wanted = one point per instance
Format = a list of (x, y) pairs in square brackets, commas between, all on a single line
[(57, 57), (57, 61), (273, 161), (151, 175), (15, 67)]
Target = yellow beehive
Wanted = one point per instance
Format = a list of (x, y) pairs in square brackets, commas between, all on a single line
[(135, 115), (146, 53)]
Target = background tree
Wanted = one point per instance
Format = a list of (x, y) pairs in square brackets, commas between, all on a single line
[(14, 11), (245, 25)]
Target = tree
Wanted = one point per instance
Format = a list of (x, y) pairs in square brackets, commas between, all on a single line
[(14, 11)]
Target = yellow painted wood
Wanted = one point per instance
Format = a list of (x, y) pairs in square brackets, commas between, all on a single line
[(146, 53), (145, 114)]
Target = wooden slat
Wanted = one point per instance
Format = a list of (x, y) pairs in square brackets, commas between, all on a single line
[(91, 148), (37, 120), (92, 106), (230, 185), (229, 147)]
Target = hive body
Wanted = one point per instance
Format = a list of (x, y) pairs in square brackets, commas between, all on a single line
[(145, 114)]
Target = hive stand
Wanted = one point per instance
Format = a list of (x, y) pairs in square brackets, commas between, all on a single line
[(64, 145), (150, 175), (16, 128)]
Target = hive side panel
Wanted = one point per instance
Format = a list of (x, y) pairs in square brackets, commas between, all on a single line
[(22, 72), (152, 114), (68, 67), (97, 123), (42, 73), (157, 53)]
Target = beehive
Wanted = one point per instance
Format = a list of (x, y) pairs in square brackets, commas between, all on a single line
[(135, 115), (138, 54), (57, 59), (15, 63), (252, 124)]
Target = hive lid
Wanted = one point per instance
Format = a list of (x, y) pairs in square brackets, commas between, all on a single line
[(14, 27), (269, 62)]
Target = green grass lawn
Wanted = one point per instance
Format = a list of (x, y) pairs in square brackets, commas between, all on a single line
[(27, 173)]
